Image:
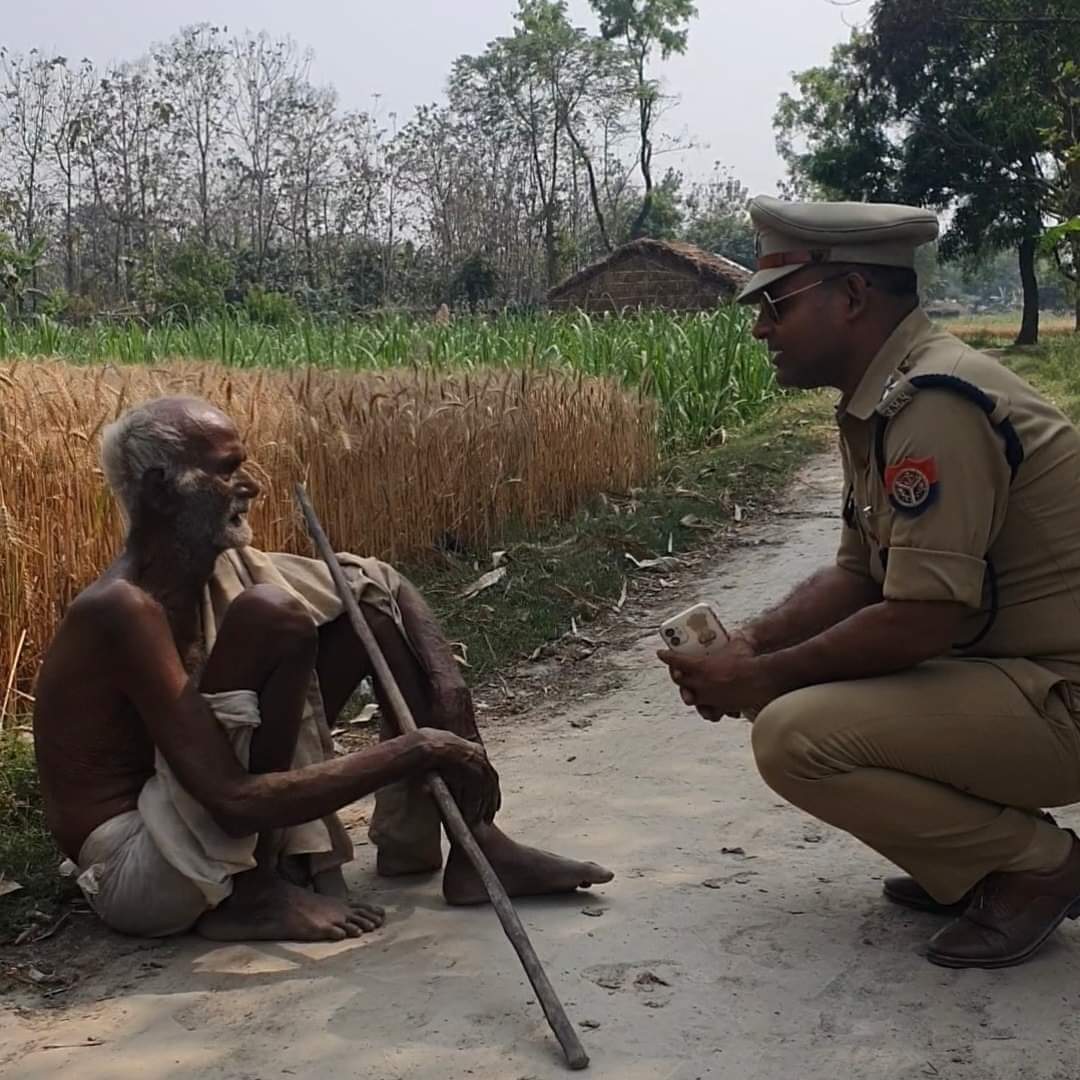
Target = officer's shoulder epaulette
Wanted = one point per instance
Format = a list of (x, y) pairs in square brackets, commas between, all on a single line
[(902, 387), (896, 395)]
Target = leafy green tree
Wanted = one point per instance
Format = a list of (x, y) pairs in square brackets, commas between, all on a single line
[(717, 218), (978, 88), (665, 217), (944, 106), (365, 278), (833, 132), (646, 27), (195, 282), (535, 86), (18, 267), (271, 308), (476, 280)]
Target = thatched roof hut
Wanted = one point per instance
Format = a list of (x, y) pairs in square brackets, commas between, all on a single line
[(652, 274)]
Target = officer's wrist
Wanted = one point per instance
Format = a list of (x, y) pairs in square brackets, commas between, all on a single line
[(777, 674)]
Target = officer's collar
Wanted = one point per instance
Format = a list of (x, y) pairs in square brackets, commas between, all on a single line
[(889, 357)]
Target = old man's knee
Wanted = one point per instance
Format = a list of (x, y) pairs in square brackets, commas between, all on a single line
[(265, 612), (785, 736)]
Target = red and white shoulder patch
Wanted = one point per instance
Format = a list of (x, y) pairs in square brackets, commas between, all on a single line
[(912, 485)]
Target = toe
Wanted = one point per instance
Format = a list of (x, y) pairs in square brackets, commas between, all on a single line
[(370, 911)]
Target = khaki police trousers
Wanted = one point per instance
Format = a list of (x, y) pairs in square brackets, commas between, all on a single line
[(942, 769)]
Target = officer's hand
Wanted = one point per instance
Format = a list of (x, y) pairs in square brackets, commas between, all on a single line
[(739, 643), (724, 683)]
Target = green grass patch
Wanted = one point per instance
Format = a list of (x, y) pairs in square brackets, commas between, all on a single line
[(577, 569), (1053, 368), (27, 852), (706, 370)]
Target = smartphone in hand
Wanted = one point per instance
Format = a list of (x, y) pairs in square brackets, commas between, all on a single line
[(697, 631)]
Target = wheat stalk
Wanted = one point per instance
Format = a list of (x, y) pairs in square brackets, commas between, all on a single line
[(392, 462)]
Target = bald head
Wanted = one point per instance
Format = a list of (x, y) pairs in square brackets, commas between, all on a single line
[(168, 434)]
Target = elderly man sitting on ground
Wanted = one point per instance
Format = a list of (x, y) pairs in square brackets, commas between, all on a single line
[(181, 716)]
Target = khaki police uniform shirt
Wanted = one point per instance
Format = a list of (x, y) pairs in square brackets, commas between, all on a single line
[(948, 503)]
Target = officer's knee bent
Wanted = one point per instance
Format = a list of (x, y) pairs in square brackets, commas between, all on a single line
[(779, 739), (269, 610)]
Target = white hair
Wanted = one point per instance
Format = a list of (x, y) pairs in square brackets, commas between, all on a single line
[(152, 435)]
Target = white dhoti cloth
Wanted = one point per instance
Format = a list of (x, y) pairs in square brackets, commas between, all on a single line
[(155, 870)]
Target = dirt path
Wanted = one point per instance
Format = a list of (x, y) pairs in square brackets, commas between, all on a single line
[(781, 961)]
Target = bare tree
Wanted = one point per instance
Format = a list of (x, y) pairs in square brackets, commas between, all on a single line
[(67, 139), (28, 117), (265, 75), (309, 162), (132, 170), (192, 71), (213, 165), (645, 26)]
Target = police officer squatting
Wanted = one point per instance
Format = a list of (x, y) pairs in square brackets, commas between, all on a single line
[(923, 692)]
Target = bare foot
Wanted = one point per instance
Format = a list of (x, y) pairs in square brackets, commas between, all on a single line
[(402, 865), (284, 912), (523, 871), (330, 883), (295, 869)]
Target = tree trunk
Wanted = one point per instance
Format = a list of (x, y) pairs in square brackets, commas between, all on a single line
[(594, 191), (551, 249), (645, 117), (1076, 280), (637, 230), (69, 239), (204, 198), (1029, 324)]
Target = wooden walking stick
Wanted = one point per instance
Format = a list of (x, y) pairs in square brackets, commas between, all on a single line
[(456, 825)]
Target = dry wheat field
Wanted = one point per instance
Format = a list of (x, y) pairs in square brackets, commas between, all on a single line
[(392, 460)]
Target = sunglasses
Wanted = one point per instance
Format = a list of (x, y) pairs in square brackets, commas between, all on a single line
[(769, 305)]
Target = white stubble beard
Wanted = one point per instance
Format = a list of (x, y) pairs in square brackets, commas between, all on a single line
[(236, 536), (202, 507)]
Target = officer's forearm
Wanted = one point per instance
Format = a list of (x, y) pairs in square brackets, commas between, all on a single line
[(823, 600), (886, 637)]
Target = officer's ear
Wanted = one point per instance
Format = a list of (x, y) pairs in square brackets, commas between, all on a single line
[(857, 288)]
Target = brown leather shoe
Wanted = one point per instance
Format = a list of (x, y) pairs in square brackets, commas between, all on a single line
[(909, 893), (1010, 916)]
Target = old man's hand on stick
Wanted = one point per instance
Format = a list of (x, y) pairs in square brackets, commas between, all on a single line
[(472, 779)]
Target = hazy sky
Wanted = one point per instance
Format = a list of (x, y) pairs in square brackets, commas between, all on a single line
[(740, 57)]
